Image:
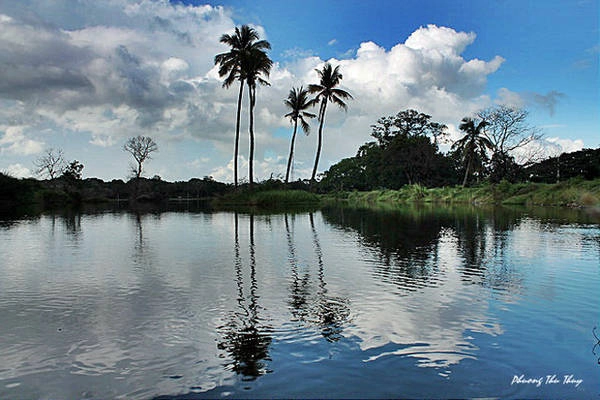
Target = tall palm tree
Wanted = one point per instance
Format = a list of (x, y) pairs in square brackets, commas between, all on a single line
[(255, 64), (243, 41), (326, 91), (298, 102), (473, 145)]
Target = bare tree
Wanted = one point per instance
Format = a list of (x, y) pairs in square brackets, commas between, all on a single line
[(140, 147), (51, 164), (508, 130)]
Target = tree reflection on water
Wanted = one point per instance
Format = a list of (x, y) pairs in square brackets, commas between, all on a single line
[(408, 242), (310, 302), (246, 338)]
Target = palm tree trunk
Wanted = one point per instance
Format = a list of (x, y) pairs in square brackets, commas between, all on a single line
[(237, 135), (467, 172), (320, 140), (251, 132), (289, 164)]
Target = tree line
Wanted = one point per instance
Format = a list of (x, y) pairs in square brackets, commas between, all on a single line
[(496, 145)]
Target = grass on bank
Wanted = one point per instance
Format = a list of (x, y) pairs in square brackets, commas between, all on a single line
[(268, 198), (574, 192)]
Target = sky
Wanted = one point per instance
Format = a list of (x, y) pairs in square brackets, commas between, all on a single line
[(84, 76)]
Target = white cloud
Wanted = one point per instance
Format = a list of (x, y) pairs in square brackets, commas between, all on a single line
[(332, 42), (18, 171), (128, 67), (510, 98), (545, 148), (14, 141), (566, 145)]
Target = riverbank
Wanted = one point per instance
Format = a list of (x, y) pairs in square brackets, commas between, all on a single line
[(571, 193), (268, 198)]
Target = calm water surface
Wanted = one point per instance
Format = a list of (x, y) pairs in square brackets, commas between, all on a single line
[(334, 303)]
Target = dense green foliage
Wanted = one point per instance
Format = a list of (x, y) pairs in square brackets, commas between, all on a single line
[(67, 190), (273, 198), (403, 154), (584, 163), (406, 153)]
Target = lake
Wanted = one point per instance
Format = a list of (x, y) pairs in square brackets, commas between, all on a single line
[(415, 302)]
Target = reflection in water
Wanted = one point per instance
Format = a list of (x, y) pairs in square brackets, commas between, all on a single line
[(246, 338), (597, 344), (407, 245), (309, 301), (332, 312), (417, 303), (300, 289)]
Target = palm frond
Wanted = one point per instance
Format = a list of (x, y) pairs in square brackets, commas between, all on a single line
[(304, 125)]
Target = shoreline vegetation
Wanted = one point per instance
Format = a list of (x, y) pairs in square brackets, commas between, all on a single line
[(274, 194), (572, 193)]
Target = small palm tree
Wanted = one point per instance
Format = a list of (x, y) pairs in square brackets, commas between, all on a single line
[(244, 40), (298, 102), (254, 64), (326, 91), (473, 145)]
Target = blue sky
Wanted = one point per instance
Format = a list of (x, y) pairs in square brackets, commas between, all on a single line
[(85, 76), (548, 45)]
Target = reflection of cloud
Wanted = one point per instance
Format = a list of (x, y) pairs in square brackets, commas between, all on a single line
[(432, 323), (102, 320)]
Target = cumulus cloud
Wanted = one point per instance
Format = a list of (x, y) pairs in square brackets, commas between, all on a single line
[(125, 67), (17, 171), (14, 141), (544, 148)]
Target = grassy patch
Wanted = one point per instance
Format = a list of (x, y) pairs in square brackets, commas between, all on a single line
[(574, 192), (268, 198)]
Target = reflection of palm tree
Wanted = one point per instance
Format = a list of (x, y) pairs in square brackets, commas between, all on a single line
[(299, 287), (297, 102), (326, 91), (331, 312), (245, 339)]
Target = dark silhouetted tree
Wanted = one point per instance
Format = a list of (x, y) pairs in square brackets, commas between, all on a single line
[(510, 133), (243, 41), (51, 164), (73, 171), (140, 147), (472, 146), (297, 101), (255, 64), (327, 91)]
